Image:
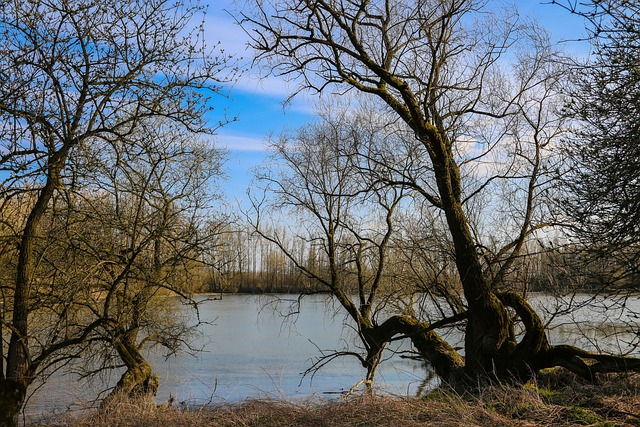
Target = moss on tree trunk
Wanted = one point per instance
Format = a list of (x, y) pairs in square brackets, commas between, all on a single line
[(138, 380), (444, 359)]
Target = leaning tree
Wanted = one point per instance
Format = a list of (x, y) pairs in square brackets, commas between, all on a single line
[(132, 232), (479, 90), (73, 72)]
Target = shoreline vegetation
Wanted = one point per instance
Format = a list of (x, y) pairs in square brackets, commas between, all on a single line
[(555, 398)]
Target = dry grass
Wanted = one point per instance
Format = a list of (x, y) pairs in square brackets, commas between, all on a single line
[(363, 411), (556, 400)]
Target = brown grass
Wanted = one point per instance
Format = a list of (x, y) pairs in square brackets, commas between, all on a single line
[(556, 400)]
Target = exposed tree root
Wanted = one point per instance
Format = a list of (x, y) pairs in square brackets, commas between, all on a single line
[(515, 361)]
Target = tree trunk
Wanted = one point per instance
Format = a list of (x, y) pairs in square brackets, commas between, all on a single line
[(445, 360), (12, 398), (533, 352), (138, 380), (18, 376), (488, 324)]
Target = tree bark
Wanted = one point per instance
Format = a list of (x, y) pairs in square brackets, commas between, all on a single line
[(18, 375), (138, 380), (444, 359), (12, 397), (488, 324)]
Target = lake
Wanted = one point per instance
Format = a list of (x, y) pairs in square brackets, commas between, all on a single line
[(251, 349)]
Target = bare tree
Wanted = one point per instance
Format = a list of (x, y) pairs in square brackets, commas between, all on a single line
[(460, 76), (341, 208), (141, 219), (73, 72)]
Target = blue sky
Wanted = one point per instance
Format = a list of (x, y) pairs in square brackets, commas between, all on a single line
[(258, 103)]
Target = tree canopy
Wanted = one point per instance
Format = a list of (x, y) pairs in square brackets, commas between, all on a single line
[(604, 179)]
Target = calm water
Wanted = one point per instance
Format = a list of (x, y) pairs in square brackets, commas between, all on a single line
[(252, 350)]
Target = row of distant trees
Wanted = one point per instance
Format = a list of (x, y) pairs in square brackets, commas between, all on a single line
[(473, 163), (244, 262)]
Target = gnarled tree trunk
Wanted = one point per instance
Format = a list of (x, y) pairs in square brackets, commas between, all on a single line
[(534, 352), (444, 359), (512, 361), (488, 325), (138, 380)]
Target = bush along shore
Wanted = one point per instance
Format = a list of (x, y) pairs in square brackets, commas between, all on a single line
[(555, 398)]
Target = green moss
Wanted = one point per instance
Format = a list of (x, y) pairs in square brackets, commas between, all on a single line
[(522, 410), (267, 421), (437, 395), (548, 395), (583, 416)]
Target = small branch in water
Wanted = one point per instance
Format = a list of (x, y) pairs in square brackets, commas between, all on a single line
[(326, 357), (352, 390)]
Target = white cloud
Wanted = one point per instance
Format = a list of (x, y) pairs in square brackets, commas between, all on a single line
[(220, 26), (269, 86), (242, 142)]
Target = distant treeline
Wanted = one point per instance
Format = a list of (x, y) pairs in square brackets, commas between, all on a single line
[(245, 263)]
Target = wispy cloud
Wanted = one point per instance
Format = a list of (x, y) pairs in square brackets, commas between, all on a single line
[(221, 27), (242, 142), (268, 86)]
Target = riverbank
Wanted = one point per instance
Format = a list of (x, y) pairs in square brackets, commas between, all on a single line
[(556, 399)]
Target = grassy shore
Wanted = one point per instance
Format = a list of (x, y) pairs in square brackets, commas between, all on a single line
[(556, 399)]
